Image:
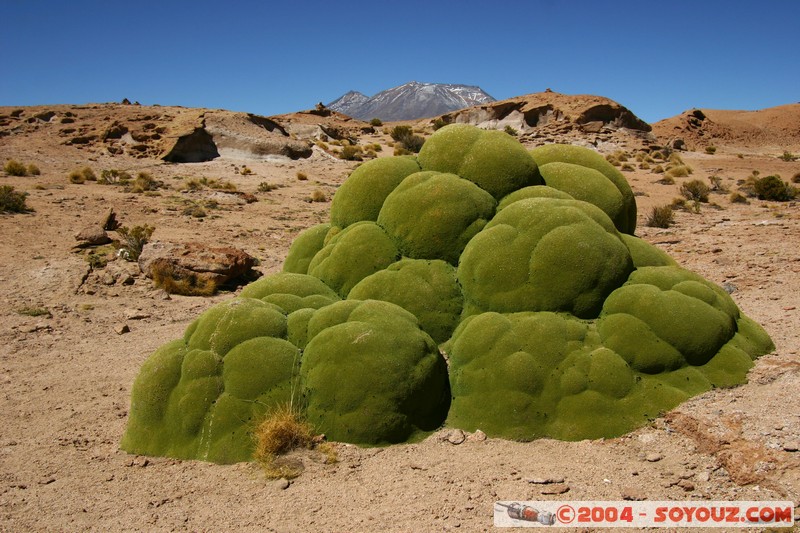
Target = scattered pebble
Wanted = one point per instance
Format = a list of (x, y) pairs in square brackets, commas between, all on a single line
[(556, 488), (792, 446), (121, 329), (478, 436), (653, 457), (546, 480), (455, 436), (633, 494), (703, 476), (282, 484), (686, 485)]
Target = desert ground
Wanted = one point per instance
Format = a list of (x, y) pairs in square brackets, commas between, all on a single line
[(66, 375)]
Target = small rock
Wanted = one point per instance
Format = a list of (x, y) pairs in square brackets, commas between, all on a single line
[(653, 457), (686, 485), (791, 446), (136, 314), (546, 480), (556, 488), (730, 288), (92, 236), (456, 436), (120, 329), (703, 477), (282, 484), (47, 481), (478, 436), (789, 308), (633, 494)]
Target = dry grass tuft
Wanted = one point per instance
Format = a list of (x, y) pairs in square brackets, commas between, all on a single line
[(174, 281), (282, 430)]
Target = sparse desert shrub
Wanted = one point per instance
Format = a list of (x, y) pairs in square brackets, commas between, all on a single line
[(350, 153), (796, 178), (644, 165), (144, 182), (82, 175), (301, 176), (318, 196), (33, 170), (12, 201), (711, 150), (695, 190), (33, 311), (675, 159), (787, 156), (282, 430), (246, 171), (660, 217), (196, 184), (658, 169), (266, 186), (611, 158), (76, 177), (627, 167), (195, 211), (376, 122), (439, 123), (182, 282), (133, 240), (680, 171), (15, 168), (774, 188), (666, 180), (562, 326), (511, 131), (407, 139), (736, 198), (114, 177)]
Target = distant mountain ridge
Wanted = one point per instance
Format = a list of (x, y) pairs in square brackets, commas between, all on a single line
[(410, 101)]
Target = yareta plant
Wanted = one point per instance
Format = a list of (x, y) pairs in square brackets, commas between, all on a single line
[(520, 266)]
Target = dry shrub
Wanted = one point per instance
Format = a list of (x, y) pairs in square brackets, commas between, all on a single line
[(660, 217), (318, 196), (179, 281), (737, 198), (281, 431), (15, 168), (266, 186), (134, 239), (695, 190), (33, 170), (680, 171), (12, 201), (302, 176), (144, 182)]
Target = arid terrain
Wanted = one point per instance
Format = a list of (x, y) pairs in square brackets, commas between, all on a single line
[(73, 335)]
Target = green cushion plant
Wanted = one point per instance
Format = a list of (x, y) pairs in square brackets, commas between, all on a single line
[(522, 267)]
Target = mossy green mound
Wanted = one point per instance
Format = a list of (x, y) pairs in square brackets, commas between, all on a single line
[(588, 186), (353, 254), (370, 375), (544, 254), (198, 397), (427, 289), (291, 292), (305, 247), (556, 320), (433, 215), (493, 160), (362, 195)]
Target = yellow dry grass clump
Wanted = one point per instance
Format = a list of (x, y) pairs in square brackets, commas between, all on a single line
[(281, 431)]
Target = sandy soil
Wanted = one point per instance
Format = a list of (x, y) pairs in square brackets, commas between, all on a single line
[(65, 379)]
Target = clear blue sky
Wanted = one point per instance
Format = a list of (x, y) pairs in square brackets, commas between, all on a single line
[(656, 58)]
